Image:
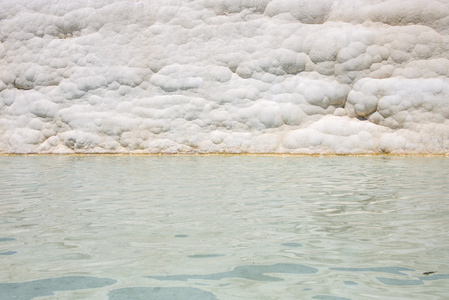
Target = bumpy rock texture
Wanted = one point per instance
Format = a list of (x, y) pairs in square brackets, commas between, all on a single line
[(227, 76)]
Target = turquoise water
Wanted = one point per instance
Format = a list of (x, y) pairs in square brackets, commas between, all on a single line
[(224, 227)]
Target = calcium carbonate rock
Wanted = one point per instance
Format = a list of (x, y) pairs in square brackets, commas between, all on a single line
[(225, 76)]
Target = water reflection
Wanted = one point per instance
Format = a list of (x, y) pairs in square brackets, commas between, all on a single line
[(245, 227), (8, 253), (160, 293), (390, 270), (329, 297), (47, 287), (251, 272)]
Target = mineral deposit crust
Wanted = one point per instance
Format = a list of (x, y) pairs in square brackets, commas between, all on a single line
[(224, 76)]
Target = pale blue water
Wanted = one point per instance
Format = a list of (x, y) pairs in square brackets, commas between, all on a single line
[(224, 227)]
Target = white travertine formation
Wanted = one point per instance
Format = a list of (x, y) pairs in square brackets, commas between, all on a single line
[(226, 76)]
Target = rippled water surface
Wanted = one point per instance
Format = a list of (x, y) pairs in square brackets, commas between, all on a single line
[(224, 227)]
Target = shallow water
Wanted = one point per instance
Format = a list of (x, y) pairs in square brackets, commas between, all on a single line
[(224, 227)]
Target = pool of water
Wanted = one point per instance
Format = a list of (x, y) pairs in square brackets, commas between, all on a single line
[(224, 227)]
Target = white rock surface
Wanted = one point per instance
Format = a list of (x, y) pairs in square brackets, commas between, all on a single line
[(226, 76)]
